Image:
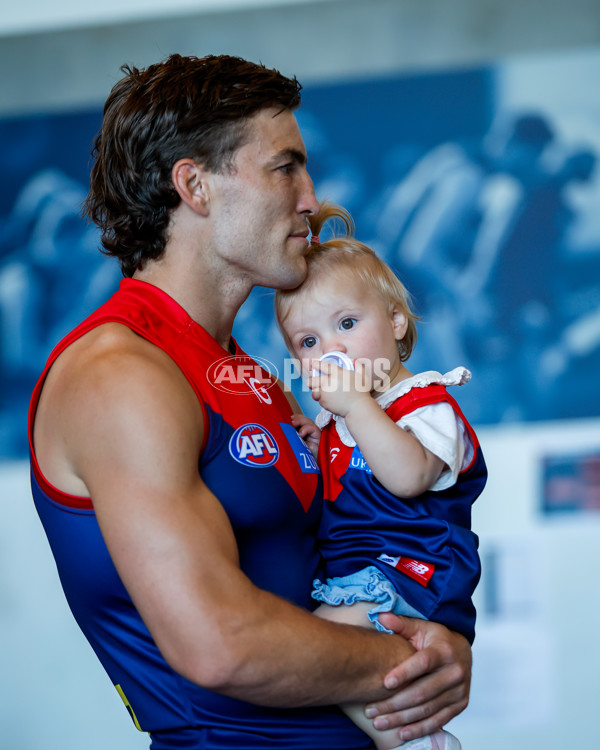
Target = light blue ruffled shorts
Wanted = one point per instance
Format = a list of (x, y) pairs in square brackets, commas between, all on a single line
[(368, 585)]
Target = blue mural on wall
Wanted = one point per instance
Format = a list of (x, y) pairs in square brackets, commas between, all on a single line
[(51, 272), (470, 205)]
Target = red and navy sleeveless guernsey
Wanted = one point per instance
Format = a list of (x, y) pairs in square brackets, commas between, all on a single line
[(270, 487), (424, 545)]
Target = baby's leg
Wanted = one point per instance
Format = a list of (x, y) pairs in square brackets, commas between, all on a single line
[(356, 614), (349, 614)]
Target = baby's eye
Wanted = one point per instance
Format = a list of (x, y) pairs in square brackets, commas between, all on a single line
[(308, 342), (347, 323)]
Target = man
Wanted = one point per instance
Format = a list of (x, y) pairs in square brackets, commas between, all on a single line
[(182, 518)]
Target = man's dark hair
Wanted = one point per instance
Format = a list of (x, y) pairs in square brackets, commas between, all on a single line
[(181, 107)]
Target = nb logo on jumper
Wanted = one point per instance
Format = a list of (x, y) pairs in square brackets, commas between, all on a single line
[(253, 445), (419, 571)]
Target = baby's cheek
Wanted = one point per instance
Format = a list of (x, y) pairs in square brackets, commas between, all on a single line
[(307, 366)]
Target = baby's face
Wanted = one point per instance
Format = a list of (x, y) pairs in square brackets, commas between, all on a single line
[(342, 313)]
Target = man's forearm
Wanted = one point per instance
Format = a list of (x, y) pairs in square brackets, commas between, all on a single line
[(279, 655)]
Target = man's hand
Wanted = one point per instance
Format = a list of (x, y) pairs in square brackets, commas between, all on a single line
[(432, 686)]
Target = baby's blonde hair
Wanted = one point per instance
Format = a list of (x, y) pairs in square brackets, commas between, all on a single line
[(347, 253)]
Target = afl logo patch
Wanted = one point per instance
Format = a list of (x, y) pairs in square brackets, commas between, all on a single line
[(253, 445)]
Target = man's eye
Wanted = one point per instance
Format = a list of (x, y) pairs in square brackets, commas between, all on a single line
[(308, 342), (348, 323), (286, 168)]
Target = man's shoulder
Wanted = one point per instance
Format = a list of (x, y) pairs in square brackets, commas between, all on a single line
[(109, 387), (111, 364), (111, 349)]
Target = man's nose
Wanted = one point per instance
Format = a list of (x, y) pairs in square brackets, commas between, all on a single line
[(307, 200)]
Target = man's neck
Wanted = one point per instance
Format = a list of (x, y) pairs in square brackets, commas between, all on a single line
[(208, 298)]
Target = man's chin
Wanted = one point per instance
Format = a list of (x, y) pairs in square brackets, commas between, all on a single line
[(295, 278)]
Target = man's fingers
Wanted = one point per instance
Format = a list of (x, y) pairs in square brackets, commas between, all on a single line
[(432, 685), (409, 706), (408, 627), (431, 664), (419, 664), (447, 661), (410, 730), (427, 718)]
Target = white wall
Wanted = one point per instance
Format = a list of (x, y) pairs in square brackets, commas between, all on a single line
[(316, 40), (536, 661), (39, 15)]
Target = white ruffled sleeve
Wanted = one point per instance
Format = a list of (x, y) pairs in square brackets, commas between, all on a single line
[(439, 429)]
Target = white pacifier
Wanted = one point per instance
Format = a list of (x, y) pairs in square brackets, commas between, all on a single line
[(338, 358)]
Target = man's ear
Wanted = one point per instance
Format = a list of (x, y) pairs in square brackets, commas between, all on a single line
[(399, 324), (189, 180)]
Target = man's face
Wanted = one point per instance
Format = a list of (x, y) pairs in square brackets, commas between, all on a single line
[(259, 209)]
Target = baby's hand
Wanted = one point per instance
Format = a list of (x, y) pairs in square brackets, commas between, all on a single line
[(308, 431), (337, 389)]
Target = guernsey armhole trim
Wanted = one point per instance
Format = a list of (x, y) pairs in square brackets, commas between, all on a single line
[(430, 395), (62, 498), (58, 496)]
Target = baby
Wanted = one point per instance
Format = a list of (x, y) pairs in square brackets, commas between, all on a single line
[(401, 465)]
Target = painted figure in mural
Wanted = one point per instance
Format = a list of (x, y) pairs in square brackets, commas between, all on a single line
[(51, 276), (401, 465), (521, 260), (183, 517), (481, 232)]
